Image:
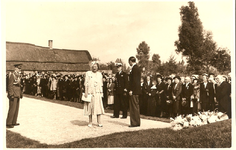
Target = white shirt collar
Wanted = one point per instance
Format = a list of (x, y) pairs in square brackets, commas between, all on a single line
[(133, 65)]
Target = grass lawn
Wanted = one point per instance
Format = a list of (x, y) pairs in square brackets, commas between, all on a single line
[(215, 135)]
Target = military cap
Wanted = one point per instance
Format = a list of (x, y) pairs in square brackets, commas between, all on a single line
[(119, 64)]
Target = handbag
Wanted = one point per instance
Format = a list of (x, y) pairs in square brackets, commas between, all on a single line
[(88, 99)]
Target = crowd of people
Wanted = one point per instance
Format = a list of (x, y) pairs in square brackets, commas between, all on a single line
[(175, 95), (67, 87), (140, 93), (161, 96)]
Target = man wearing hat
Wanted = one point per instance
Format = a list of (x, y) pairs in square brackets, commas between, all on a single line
[(121, 85), (14, 95), (176, 94)]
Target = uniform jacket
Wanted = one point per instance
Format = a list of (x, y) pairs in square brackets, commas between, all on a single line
[(121, 82), (14, 86), (135, 80)]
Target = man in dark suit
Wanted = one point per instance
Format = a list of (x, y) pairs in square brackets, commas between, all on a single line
[(14, 96), (176, 94), (134, 92), (145, 91), (121, 86), (169, 99), (187, 92), (206, 93), (223, 97)]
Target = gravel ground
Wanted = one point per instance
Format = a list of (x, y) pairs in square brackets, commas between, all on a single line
[(52, 123)]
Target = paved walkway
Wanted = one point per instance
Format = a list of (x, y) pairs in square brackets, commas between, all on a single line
[(52, 123)]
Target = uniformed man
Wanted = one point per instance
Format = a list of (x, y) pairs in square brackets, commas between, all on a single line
[(14, 95), (121, 85)]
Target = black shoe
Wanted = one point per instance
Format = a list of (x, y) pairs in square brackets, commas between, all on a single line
[(114, 117), (134, 126), (10, 126), (123, 118), (17, 124)]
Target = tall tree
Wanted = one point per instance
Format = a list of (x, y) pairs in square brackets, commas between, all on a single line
[(209, 48), (190, 37), (143, 54), (222, 60), (156, 62)]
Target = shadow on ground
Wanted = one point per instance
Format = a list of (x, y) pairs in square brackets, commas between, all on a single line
[(79, 123)]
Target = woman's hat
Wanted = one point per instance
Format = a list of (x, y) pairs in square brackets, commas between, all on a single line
[(178, 77)]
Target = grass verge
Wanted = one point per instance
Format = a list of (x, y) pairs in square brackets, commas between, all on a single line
[(215, 135)]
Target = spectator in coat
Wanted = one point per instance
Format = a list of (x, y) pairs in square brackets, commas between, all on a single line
[(176, 94), (105, 97), (224, 96), (110, 93), (147, 89), (169, 98), (206, 93), (196, 97), (161, 101), (187, 92), (53, 86), (142, 99), (152, 99)]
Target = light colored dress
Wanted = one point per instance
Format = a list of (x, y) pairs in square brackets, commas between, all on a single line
[(93, 82), (110, 93)]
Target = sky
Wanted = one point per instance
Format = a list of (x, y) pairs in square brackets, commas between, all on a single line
[(111, 30)]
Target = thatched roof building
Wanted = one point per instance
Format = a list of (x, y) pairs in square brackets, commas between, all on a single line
[(38, 58)]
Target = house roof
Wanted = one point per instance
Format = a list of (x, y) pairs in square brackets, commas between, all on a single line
[(43, 58)]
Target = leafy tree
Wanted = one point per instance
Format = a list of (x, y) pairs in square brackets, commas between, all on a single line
[(156, 61), (190, 37), (222, 60), (169, 67), (209, 48), (112, 66), (143, 54), (95, 59)]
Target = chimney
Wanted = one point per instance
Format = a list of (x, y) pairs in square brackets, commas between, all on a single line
[(50, 44)]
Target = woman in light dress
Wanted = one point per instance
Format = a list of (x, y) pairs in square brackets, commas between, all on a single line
[(94, 87)]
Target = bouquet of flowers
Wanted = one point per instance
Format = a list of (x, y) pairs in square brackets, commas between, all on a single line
[(202, 118)]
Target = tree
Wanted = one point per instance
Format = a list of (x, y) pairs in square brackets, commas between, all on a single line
[(209, 48), (156, 62), (143, 54), (169, 67), (190, 37), (95, 59), (112, 66), (222, 60)]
